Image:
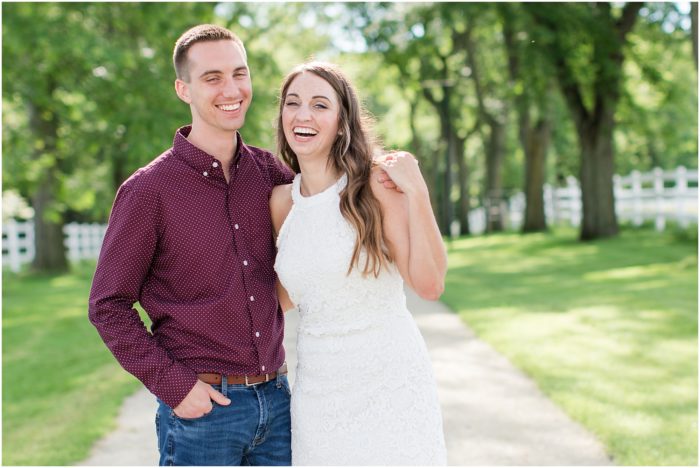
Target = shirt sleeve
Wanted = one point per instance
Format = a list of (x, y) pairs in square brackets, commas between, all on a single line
[(280, 174), (125, 258)]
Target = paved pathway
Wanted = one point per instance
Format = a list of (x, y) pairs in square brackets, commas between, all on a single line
[(493, 414)]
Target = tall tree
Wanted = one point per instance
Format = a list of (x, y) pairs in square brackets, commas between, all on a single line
[(532, 96), (88, 93), (419, 43), (44, 49), (492, 106), (591, 88)]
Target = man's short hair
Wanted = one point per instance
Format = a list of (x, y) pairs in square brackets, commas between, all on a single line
[(200, 33)]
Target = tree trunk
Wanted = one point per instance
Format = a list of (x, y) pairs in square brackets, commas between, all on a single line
[(534, 140), (463, 205), (494, 200), (537, 142), (597, 167), (429, 165), (495, 146), (50, 249), (449, 137), (50, 252), (595, 127)]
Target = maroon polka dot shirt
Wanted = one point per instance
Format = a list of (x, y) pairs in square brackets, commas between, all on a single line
[(198, 255)]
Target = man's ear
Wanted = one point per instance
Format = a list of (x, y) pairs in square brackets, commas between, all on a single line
[(182, 90)]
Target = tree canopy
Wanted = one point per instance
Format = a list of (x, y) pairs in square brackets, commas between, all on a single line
[(493, 98)]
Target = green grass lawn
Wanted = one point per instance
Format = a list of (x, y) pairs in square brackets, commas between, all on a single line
[(607, 329), (61, 387)]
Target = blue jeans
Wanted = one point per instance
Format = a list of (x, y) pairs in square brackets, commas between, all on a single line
[(255, 429)]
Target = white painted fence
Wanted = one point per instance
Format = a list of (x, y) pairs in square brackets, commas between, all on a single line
[(17, 243), (656, 196), (82, 241)]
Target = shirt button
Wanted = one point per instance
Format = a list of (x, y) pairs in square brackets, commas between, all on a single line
[(245, 262), (205, 173), (263, 367), (257, 334), (252, 298), (236, 226), (215, 164)]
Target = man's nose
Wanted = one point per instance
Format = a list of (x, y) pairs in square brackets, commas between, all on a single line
[(230, 88)]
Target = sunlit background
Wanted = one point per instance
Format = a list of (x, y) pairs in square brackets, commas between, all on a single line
[(573, 121)]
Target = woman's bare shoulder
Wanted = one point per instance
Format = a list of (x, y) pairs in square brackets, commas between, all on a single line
[(280, 204), (281, 192)]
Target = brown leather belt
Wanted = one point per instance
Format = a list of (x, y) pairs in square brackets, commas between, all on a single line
[(215, 379)]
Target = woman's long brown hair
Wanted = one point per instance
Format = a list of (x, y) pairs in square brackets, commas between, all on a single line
[(351, 154)]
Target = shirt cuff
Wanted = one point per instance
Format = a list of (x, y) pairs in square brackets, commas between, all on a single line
[(174, 385)]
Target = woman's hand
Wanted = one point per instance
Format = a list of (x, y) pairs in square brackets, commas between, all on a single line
[(402, 168), (410, 229)]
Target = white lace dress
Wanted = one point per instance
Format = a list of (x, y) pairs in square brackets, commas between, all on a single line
[(364, 392)]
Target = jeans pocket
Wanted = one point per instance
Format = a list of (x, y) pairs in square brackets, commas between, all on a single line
[(191, 420), (284, 383)]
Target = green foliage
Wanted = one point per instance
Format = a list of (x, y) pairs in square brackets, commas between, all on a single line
[(607, 329), (658, 112), (100, 75)]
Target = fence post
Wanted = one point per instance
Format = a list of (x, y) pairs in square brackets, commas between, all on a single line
[(575, 202), (681, 193), (660, 219), (549, 208), (618, 193), (637, 218), (12, 233), (72, 240)]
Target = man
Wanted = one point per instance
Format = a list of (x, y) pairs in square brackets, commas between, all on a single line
[(190, 238)]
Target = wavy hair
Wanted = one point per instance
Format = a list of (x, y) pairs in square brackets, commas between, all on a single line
[(351, 153)]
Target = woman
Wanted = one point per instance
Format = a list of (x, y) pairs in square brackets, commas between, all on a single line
[(364, 391)]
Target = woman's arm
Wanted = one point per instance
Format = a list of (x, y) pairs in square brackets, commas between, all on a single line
[(280, 205), (283, 297), (409, 225)]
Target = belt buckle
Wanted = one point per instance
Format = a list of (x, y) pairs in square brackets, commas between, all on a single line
[(249, 384)]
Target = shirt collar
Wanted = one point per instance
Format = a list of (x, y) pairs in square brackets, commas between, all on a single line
[(200, 160)]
